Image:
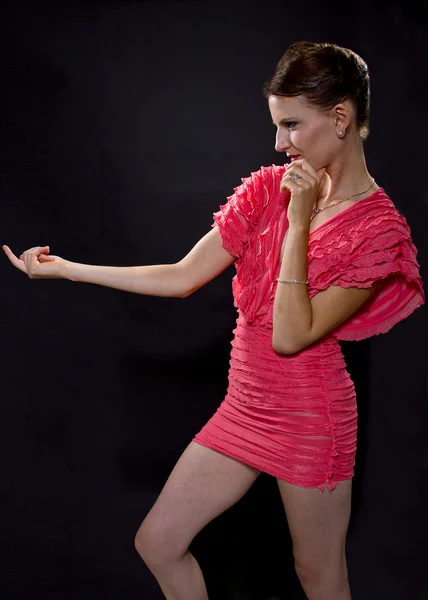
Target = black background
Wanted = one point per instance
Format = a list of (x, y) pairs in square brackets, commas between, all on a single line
[(124, 126)]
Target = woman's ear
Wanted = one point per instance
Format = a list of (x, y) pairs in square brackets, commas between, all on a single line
[(342, 114)]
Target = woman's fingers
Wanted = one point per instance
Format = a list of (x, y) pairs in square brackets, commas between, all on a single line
[(19, 264), (28, 260), (31, 258), (36, 263), (298, 169), (306, 167), (45, 258), (289, 185), (303, 181)]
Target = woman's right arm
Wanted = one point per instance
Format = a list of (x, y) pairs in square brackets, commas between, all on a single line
[(206, 260)]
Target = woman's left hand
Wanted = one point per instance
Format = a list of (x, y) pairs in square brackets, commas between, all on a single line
[(304, 191)]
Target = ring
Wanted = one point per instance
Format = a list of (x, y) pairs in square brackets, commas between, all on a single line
[(293, 177)]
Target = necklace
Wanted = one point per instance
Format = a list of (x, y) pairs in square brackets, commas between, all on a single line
[(316, 210)]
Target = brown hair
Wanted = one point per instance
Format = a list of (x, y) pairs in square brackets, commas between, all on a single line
[(325, 75)]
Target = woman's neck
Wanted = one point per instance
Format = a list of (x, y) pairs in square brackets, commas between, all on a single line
[(347, 176)]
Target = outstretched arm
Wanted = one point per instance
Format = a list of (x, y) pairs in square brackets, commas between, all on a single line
[(206, 260)]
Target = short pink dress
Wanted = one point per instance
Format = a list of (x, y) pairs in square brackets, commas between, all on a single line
[(295, 416)]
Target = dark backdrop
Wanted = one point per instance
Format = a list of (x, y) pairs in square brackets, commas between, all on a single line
[(124, 126)]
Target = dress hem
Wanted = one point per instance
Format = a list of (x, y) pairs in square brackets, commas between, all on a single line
[(330, 483)]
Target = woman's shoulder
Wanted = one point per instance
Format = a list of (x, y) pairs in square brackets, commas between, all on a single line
[(370, 216), (380, 215), (371, 229)]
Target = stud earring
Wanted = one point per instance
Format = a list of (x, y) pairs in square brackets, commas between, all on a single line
[(340, 133)]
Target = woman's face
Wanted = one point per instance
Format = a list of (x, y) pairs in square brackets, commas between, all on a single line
[(304, 130)]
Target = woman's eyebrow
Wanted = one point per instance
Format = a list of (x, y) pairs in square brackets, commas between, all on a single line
[(287, 120)]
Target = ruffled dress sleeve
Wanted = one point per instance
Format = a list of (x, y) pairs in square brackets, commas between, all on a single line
[(239, 216), (379, 249)]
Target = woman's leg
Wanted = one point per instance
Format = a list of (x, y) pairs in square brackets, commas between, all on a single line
[(318, 522), (202, 485)]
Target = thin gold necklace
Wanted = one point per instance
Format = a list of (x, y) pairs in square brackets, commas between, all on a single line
[(316, 210)]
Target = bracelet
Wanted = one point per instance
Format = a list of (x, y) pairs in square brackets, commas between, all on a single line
[(292, 281)]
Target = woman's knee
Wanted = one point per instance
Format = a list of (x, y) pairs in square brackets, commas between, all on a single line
[(155, 544), (321, 573), (145, 540)]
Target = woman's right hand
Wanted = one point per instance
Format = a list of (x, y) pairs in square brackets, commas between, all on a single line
[(37, 263)]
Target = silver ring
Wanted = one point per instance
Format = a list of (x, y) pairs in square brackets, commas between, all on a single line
[(293, 177)]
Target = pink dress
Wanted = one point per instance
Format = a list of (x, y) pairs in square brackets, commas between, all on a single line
[(295, 416)]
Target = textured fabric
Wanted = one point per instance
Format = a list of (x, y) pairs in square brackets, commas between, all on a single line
[(295, 416), (370, 242), (291, 416)]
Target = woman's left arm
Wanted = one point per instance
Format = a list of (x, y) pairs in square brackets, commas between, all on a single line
[(299, 321)]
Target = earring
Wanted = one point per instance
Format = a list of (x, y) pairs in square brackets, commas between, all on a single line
[(340, 133)]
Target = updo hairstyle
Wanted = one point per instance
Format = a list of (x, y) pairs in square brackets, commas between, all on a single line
[(325, 75)]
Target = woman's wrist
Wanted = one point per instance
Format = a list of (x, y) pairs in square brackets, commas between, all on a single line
[(70, 270), (298, 227)]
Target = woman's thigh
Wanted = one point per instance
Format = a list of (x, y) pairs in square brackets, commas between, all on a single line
[(202, 485), (318, 522)]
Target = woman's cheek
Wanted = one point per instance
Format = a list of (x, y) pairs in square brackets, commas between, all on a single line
[(296, 141)]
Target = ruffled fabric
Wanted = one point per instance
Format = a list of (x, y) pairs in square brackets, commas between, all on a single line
[(251, 225), (365, 243), (291, 416), (370, 244), (295, 416), (239, 216)]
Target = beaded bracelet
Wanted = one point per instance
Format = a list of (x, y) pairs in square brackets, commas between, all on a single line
[(292, 281)]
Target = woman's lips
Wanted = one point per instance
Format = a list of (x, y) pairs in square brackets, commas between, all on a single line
[(295, 157)]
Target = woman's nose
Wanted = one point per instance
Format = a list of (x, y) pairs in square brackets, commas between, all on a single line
[(282, 143)]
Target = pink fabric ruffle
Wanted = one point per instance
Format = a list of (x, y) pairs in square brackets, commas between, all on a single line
[(367, 242), (372, 243), (293, 417), (256, 243)]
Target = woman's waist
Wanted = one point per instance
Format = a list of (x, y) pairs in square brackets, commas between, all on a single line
[(257, 340)]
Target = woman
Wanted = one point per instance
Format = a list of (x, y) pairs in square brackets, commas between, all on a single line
[(321, 255)]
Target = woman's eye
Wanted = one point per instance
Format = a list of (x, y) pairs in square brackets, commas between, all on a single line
[(291, 124)]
